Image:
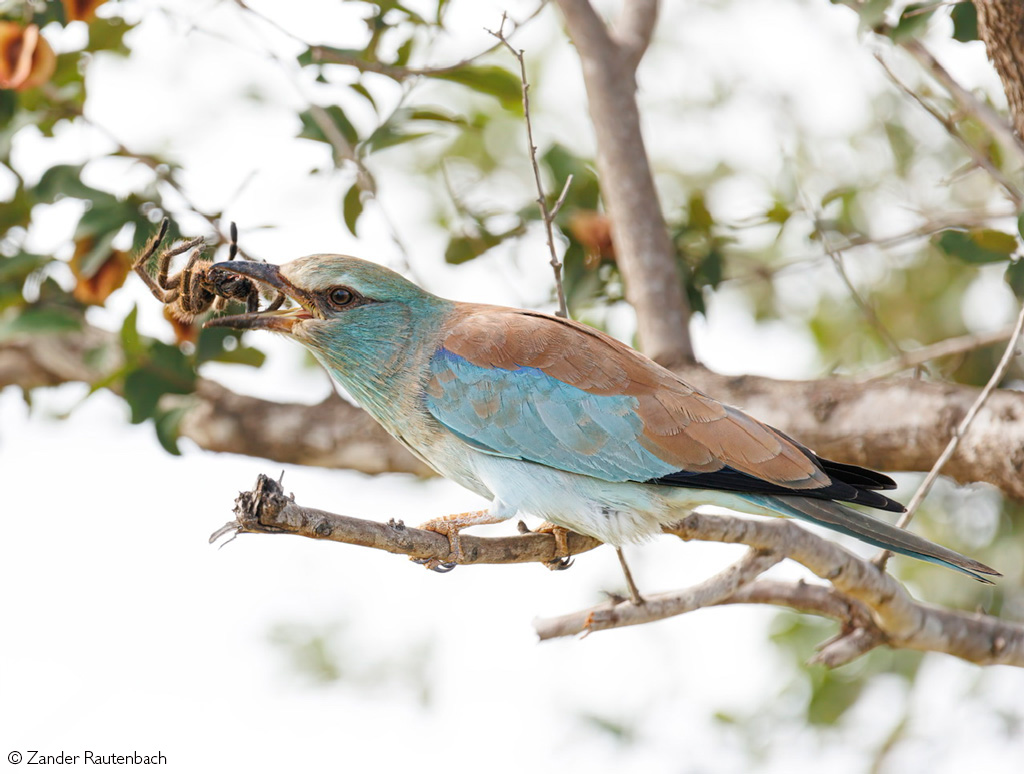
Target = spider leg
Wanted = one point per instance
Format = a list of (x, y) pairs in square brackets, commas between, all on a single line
[(276, 304), (252, 299)]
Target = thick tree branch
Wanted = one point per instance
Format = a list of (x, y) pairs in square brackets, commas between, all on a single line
[(645, 254), (895, 425), (871, 603), (1001, 26), (634, 29)]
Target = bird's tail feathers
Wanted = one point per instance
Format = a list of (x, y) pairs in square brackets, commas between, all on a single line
[(876, 532)]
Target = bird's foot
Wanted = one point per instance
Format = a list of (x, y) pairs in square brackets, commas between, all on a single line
[(563, 559), (450, 526)]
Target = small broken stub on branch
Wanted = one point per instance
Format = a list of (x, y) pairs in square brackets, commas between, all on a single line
[(257, 509)]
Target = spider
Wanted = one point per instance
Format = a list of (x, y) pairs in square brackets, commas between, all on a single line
[(192, 291)]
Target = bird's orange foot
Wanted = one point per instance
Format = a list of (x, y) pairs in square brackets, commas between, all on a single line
[(450, 526), (563, 559)]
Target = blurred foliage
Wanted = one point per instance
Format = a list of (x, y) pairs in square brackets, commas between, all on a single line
[(459, 126), (333, 653)]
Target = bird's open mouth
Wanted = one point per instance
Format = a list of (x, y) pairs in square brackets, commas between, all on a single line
[(266, 276)]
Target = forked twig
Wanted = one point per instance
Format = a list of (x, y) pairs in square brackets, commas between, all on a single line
[(833, 253), (548, 214)]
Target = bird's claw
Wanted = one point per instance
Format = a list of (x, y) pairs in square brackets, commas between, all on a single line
[(435, 564), (561, 563), (563, 559)]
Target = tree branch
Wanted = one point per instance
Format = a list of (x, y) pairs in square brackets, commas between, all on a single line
[(868, 601), (634, 29), (266, 509), (1001, 26), (645, 253), (905, 623), (894, 424), (618, 613)]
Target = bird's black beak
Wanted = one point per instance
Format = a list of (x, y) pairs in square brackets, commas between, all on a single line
[(268, 276)]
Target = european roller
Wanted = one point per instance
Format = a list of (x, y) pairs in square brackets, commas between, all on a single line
[(548, 417)]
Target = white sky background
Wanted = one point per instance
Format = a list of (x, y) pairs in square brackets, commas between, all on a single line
[(123, 630)]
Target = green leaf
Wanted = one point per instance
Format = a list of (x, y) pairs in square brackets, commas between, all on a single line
[(404, 51), (488, 79), (315, 57), (66, 180), (8, 104), (352, 207), (779, 213), (16, 268), (131, 342), (249, 356), (981, 245), (168, 428), (40, 320), (164, 369), (312, 129), (965, 22), (222, 345), (1015, 278), (108, 35), (363, 92), (438, 115), (913, 21), (902, 144)]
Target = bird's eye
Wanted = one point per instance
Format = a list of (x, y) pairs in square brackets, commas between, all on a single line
[(340, 297)]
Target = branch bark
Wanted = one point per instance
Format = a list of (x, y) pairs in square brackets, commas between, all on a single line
[(1001, 26), (872, 605), (645, 254), (894, 425)]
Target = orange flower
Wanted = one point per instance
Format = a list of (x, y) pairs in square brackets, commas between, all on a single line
[(26, 59), (110, 275), (80, 10), (183, 331), (593, 230)]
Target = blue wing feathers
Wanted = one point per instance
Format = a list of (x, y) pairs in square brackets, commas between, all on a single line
[(525, 413)]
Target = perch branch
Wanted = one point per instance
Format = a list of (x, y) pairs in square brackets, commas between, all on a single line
[(864, 597), (266, 509)]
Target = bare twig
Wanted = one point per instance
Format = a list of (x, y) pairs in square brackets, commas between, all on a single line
[(659, 606), (866, 308), (968, 103), (956, 345), (959, 432), (547, 214), (977, 156), (395, 72), (933, 225)]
